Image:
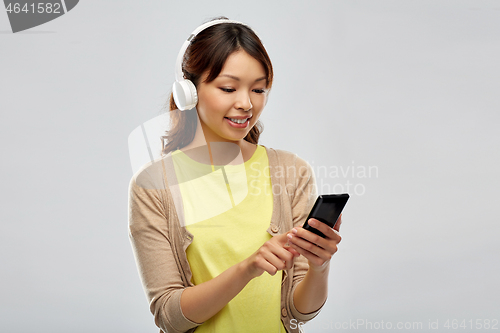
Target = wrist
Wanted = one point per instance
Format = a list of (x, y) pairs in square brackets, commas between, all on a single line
[(245, 270), (320, 270)]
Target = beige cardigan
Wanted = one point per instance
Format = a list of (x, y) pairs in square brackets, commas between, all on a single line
[(159, 242)]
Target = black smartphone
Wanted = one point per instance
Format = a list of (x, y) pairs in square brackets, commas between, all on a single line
[(327, 209)]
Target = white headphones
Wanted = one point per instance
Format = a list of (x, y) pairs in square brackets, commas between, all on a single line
[(184, 91)]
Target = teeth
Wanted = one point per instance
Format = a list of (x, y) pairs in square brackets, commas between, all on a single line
[(239, 121)]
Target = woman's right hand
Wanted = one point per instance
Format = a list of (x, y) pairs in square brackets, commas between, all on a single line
[(272, 256)]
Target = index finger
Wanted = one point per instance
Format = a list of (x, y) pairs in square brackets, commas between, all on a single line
[(323, 227)]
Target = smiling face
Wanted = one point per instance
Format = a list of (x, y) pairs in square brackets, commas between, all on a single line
[(238, 92)]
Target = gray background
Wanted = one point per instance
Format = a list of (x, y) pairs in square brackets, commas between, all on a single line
[(410, 87)]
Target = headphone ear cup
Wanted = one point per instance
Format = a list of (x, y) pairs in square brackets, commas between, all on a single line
[(185, 95)]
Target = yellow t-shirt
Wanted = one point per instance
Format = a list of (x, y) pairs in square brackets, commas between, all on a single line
[(228, 210)]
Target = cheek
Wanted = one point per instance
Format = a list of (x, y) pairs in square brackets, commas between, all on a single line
[(259, 101), (212, 105)]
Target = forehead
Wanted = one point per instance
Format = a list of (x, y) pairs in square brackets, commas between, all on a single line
[(240, 63)]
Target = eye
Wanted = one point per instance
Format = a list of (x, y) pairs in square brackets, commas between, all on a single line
[(228, 90), (259, 91)]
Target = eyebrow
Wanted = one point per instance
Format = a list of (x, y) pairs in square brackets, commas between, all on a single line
[(238, 79)]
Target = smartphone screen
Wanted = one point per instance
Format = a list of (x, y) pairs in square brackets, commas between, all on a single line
[(327, 209)]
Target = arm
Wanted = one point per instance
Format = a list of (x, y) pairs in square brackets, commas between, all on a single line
[(312, 292), (203, 301), (154, 251), (310, 284)]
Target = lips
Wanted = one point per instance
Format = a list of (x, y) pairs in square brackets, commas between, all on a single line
[(237, 125), (239, 117)]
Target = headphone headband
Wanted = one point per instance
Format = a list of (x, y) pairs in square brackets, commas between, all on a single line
[(178, 65)]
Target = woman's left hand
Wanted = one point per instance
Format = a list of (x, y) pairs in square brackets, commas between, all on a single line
[(316, 249)]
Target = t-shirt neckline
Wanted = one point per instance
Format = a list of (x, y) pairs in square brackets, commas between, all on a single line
[(255, 156)]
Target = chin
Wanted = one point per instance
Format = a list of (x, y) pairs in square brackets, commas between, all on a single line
[(238, 138)]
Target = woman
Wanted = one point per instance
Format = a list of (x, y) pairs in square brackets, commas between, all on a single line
[(213, 264)]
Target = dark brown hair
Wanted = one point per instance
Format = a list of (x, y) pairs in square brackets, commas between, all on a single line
[(209, 51)]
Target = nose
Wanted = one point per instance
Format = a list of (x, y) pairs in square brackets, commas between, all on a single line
[(243, 102)]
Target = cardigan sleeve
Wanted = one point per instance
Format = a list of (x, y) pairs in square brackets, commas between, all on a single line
[(304, 196), (153, 251)]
